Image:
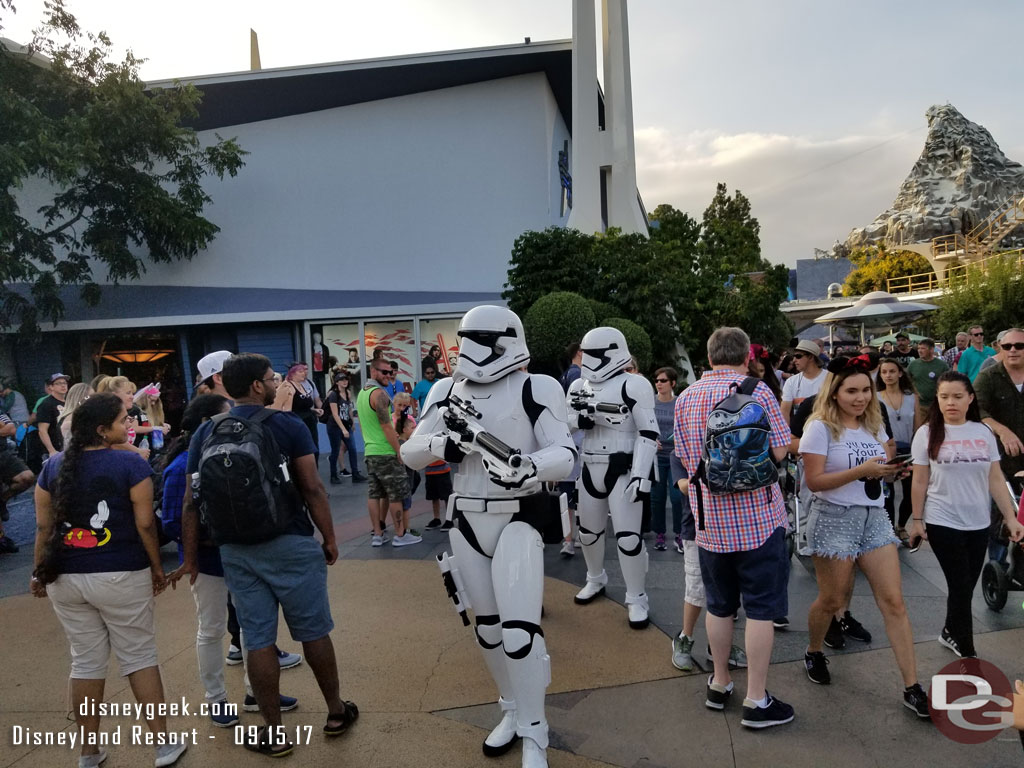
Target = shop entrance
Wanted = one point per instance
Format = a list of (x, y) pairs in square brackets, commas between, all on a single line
[(145, 357)]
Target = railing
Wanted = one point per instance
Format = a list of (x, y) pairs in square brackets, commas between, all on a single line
[(929, 281), (998, 225), (947, 246)]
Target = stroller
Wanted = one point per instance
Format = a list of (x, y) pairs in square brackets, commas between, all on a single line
[(997, 579), (791, 471)]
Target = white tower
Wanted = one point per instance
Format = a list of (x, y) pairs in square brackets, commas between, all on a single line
[(603, 157)]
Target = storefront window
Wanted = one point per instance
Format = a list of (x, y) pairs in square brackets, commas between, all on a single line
[(342, 350), (439, 341), (393, 341)]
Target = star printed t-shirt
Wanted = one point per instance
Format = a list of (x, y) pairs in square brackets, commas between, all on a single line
[(958, 494), (100, 535), (853, 448)]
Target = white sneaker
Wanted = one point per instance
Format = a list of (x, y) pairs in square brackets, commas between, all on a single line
[(376, 541), (592, 589), (91, 761), (405, 540), (568, 550), (168, 754)]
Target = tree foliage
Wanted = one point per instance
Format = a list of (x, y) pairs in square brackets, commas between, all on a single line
[(552, 324), (991, 296), (637, 340), (118, 176), (875, 266), (686, 280)]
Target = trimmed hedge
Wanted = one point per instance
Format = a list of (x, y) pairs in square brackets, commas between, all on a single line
[(552, 323)]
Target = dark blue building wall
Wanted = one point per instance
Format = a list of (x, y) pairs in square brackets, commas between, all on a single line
[(813, 276), (274, 341)]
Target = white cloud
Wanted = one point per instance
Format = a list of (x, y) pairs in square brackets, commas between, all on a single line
[(805, 192)]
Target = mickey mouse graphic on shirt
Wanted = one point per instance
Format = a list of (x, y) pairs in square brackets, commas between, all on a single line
[(96, 535)]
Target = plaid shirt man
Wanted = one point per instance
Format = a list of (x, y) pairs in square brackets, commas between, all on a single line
[(737, 521), (951, 356)]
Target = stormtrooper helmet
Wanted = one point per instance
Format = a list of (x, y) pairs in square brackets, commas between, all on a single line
[(493, 344), (604, 353)]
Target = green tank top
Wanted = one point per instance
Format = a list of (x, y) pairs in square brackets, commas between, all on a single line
[(376, 444)]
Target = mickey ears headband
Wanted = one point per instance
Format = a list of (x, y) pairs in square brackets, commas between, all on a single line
[(861, 363)]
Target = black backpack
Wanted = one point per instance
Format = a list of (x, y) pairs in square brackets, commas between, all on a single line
[(245, 494)]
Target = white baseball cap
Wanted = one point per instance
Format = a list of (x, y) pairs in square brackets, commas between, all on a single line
[(212, 363)]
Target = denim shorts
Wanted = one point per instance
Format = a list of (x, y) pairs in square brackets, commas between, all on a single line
[(289, 571), (847, 532), (759, 577)]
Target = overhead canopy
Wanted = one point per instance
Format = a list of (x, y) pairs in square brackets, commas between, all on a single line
[(876, 309)]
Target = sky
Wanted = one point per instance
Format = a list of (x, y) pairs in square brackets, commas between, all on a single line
[(814, 109)]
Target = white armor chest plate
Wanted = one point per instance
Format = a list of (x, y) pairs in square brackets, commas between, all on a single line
[(612, 432), (500, 404)]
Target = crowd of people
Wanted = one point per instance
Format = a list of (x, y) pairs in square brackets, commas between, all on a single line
[(896, 446)]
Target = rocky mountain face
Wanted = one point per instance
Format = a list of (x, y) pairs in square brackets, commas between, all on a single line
[(960, 179)]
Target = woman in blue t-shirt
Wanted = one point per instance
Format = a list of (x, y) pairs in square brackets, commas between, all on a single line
[(98, 560)]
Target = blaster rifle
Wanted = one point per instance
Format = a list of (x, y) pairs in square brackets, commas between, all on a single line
[(580, 401), (499, 457)]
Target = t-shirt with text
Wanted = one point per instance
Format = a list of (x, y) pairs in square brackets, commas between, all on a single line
[(958, 493), (853, 448)]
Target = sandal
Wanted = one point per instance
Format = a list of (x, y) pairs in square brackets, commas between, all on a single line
[(264, 746), (346, 719)]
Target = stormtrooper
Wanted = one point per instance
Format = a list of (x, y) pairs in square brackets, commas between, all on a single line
[(508, 431), (616, 410)]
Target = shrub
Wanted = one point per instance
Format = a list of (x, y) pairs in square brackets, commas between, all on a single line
[(637, 340), (552, 323)]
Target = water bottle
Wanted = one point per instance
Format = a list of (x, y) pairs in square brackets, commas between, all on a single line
[(158, 438), (144, 444)]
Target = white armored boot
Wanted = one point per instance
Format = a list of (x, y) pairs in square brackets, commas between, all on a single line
[(504, 736), (638, 610), (593, 588)]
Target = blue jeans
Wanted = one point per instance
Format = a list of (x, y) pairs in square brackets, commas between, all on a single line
[(337, 437), (659, 490)]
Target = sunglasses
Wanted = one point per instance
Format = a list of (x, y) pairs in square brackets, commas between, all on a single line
[(386, 371), (799, 356), (978, 334), (661, 381), (1018, 345)]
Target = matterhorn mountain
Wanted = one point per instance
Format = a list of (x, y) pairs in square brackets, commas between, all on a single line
[(960, 179)]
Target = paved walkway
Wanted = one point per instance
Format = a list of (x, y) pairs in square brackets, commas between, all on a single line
[(426, 700)]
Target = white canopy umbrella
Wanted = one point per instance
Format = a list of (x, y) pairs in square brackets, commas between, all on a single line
[(877, 309)]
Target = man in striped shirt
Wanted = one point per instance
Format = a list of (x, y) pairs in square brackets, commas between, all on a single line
[(740, 536)]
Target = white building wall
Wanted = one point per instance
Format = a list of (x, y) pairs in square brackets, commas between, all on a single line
[(422, 192)]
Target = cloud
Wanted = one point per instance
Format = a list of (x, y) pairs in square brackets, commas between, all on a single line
[(805, 192)]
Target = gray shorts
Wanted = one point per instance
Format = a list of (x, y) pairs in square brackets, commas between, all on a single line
[(847, 532)]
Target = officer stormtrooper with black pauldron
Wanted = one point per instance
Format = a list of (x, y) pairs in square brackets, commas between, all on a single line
[(616, 410), (508, 430)]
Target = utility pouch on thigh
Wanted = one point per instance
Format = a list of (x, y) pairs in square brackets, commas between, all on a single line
[(454, 586), (563, 507)]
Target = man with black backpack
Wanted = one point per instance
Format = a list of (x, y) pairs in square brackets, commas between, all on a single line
[(729, 435), (256, 486)]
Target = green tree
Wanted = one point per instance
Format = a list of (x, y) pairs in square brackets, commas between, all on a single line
[(875, 266), (637, 340), (120, 175), (991, 296), (730, 235), (552, 324), (556, 259)]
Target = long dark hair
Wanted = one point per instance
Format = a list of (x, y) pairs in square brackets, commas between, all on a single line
[(906, 384), (98, 411), (768, 377), (936, 421), (200, 408)]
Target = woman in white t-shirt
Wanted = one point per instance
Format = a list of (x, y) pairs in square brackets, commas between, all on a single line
[(956, 476), (844, 448), (898, 396)]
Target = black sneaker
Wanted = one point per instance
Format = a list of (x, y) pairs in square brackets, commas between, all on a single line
[(916, 700), (947, 640), (853, 628), (435, 523), (776, 713), (782, 622), (358, 478), (817, 668), (7, 545), (718, 695), (447, 525), (335, 480), (834, 637)]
